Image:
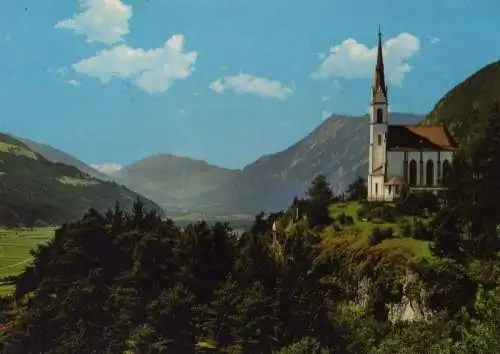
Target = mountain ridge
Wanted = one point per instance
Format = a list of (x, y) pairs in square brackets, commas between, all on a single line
[(35, 191), (335, 148)]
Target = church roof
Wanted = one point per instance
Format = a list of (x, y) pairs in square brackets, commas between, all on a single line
[(379, 79), (395, 181), (419, 137)]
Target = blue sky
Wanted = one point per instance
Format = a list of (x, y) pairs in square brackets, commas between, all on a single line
[(227, 81)]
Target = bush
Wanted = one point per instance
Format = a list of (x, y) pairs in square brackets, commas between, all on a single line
[(362, 212), (421, 231), (305, 345), (342, 219), (379, 211), (406, 230), (379, 235), (421, 204), (349, 220)]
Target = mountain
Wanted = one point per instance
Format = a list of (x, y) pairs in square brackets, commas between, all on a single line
[(171, 180), (58, 156), (36, 191), (466, 108), (337, 148)]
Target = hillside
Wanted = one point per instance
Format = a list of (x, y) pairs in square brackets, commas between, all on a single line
[(35, 191), (56, 155), (337, 148), (171, 180), (465, 108)]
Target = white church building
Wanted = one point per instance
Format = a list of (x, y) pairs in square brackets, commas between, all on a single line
[(416, 156)]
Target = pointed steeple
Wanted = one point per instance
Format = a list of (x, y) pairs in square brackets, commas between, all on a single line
[(379, 81)]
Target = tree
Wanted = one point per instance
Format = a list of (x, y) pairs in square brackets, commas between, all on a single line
[(473, 192), (320, 191), (357, 190), (320, 197)]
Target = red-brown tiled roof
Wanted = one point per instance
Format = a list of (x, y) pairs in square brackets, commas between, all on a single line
[(420, 137), (395, 181)]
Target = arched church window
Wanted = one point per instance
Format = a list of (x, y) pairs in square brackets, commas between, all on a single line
[(413, 173), (380, 115), (446, 169), (429, 173)]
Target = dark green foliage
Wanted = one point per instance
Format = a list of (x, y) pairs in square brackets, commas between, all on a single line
[(378, 235), (405, 228), (466, 109), (419, 204), (421, 231), (357, 190), (468, 223), (305, 345), (377, 211), (320, 197), (32, 194)]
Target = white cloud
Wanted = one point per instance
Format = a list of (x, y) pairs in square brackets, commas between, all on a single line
[(351, 59), (244, 83), (72, 82), (434, 40), (152, 70), (321, 56), (326, 98), (325, 114), (108, 167), (103, 21)]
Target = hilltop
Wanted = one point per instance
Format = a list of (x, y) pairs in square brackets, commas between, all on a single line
[(465, 109), (171, 180), (36, 191), (57, 156)]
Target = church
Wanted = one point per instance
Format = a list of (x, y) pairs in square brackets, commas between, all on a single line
[(415, 156)]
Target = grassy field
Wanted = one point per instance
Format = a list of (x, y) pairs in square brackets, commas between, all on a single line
[(15, 246), (361, 230)]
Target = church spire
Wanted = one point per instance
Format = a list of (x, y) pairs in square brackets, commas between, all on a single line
[(379, 81)]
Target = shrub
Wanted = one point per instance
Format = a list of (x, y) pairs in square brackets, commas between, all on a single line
[(362, 212), (342, 218), (379, 235), (421, 204), (349, 220), (421, 231), (406, 230)]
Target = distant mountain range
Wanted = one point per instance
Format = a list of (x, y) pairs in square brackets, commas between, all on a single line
[(36, 191), (337, 148), (172, 181)]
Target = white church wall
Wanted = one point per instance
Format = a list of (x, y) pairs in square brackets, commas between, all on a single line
[(377, 188), (395, 164), (378, 150), (395, 160)]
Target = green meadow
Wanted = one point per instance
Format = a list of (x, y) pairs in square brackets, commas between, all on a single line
[(15, 247)]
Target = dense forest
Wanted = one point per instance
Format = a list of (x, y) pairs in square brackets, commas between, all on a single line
[(130, 282)]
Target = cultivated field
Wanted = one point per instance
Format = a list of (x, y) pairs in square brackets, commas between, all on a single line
[(15, 246)]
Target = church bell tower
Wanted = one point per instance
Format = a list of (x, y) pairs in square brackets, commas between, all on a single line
[(379, 109)]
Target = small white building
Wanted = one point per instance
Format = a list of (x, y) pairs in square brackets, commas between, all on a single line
[(417, 156)]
